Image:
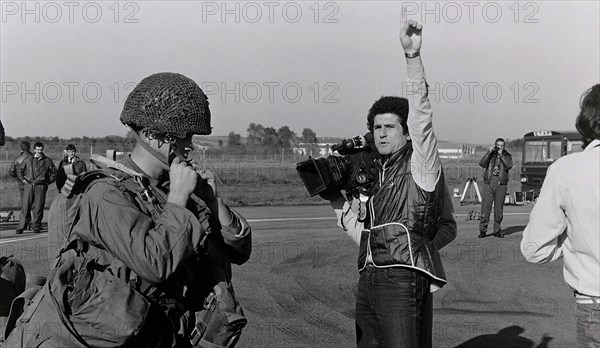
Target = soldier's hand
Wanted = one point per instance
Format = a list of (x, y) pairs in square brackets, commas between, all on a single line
[(183, 182), (410, 36), (206, 189)]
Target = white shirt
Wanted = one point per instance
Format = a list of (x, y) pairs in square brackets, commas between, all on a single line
[(566, 220)]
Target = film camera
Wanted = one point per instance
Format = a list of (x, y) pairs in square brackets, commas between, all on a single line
[(354, 171)]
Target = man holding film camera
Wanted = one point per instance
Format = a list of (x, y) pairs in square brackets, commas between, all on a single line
[(410, 217), (497, 162)]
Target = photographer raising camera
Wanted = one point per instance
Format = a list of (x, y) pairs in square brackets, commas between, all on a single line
[(497, 162)]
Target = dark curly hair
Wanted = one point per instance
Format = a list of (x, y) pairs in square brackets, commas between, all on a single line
[(25, 146), (389, 105), (588, 121)]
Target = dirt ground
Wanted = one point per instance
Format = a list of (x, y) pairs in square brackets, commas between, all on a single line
[(298, 289)]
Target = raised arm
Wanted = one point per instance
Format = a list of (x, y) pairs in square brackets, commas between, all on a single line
[(506, 159), (485, 160), (235, 229), (425, 161)]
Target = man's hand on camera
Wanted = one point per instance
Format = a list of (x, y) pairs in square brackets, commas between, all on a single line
[(183, 181), (335, 198), (410, 36), (331, 195)]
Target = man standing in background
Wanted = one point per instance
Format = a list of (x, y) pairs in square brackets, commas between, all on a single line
[(16, 172), (38, 174), (497, 162), (2, 140), (71, 164)]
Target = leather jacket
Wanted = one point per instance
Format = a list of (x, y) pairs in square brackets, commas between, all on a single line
[(503, 163), (18, 168), (78, 167), (404, 220), (39, 171)]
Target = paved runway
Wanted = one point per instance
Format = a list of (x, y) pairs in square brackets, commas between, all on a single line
[(298, 288)]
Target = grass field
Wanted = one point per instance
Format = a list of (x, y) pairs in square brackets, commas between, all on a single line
[(267, 183)]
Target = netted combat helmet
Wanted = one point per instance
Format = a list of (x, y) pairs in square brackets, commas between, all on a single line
[(167, 104)]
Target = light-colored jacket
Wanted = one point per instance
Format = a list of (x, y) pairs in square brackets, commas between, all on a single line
[(566, 220)]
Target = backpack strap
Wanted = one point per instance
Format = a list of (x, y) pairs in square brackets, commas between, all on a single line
[(80, 185), (142, 195), (144, 191)]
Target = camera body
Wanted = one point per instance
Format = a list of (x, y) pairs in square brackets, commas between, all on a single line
[(354, 171)]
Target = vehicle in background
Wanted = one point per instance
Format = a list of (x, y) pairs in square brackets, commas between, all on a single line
[(540, 150)]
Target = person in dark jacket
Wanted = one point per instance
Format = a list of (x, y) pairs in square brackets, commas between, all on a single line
[(497, 162), (37, 175), (410, 217), (16, 172), (2, 140), (71, 164)]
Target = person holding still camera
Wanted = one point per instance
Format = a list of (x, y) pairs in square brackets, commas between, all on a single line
[(497, 162), (410, 217)]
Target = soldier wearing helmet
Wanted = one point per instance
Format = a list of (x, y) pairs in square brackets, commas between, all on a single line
[(161, 229)]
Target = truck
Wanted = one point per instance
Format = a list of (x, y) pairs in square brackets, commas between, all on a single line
[(540, 149)]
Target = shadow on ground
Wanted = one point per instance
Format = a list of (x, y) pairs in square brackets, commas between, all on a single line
[(507, 337), (512, 229)]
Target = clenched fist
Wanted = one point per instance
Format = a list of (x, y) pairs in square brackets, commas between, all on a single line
[(183, 182), (410, 36)]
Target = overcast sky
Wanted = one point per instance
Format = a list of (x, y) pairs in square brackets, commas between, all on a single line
[(494, 68)]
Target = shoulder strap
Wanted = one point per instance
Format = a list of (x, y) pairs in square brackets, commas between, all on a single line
[(103, 162), (145, 191), (82, 181), (80, 185)]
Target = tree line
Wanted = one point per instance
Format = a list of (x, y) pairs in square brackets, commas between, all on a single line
[(257, 136), (284, 137), (259, 140)]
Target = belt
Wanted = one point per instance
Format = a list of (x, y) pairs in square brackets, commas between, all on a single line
[(584, 299)]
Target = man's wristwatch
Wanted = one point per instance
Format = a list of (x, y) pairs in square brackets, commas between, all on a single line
[(412, 55)]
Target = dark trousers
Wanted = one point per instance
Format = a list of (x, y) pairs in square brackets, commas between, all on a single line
[(26, 192), (39, 201), (492, 193), (394, 308)]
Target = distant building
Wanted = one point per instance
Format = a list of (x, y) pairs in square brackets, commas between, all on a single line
[(445, 149), (322, 148), (454, 150), (450, 153)]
